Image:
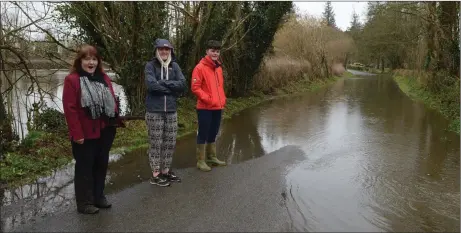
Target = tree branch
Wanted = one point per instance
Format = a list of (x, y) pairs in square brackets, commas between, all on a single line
[(241, 38), (20, 28), (186, 13), (43, 30)]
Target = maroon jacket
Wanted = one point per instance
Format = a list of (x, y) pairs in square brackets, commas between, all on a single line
[(79, 122)]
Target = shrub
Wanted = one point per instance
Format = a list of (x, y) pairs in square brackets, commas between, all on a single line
[(50, 120), (304, 48)]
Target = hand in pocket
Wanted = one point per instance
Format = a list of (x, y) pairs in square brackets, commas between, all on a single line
[(209, 100)]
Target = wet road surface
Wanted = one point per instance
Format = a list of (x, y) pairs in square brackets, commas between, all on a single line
[(360, 73), (356, 156), (233, 198)]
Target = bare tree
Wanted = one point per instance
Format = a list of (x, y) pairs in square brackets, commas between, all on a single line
[(26, 45)]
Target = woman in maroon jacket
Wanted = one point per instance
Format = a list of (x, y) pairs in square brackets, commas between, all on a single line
[(91, 113)]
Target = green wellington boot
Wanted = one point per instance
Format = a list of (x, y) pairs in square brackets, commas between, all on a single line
[(211, 155), (201, 164)]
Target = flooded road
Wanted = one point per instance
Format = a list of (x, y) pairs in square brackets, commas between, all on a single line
[(356, 156)]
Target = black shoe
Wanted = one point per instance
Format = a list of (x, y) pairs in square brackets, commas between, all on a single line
[(103, 203), (87, 209), (170, 176), (159, 180)]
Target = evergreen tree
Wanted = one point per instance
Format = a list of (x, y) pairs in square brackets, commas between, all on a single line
[(355, 23), (329, 15)]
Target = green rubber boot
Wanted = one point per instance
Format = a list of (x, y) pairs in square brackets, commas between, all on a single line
[(201, 164), (211, 155)]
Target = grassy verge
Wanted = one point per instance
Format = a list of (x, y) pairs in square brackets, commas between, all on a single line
[(41, 152), (348, 74), (446, 101)]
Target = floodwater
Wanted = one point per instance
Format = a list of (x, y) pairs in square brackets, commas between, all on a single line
[(24, 93), (374, 160)]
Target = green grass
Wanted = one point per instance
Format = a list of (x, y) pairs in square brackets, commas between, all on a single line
[(348, 74), (446, 101), (41, 153), (38, 154)]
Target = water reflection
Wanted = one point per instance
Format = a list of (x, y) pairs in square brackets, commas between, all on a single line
[(386, 162), (375, 160), (238, 141), (37, 199), (24, 93), (47, 195)]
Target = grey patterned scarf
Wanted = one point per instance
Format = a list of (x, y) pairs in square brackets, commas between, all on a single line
[(97, 98)]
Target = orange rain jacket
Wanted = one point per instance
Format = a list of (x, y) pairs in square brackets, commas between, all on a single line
[(208, 85)]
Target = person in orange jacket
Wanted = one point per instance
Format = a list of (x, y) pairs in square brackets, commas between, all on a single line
[(208, 86)]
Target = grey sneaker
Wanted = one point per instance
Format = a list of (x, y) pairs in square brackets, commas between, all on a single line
[(159, 180), (170, 176)]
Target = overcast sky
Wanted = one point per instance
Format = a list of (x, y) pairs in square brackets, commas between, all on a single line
[(343, 11)]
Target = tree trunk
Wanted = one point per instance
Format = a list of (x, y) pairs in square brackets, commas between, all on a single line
[(199, 34), (346, 60), (448, 42), (325, 65), (5, 124), (455, 46), (445, 37), (431, 64), (6, 131), (134, 87)]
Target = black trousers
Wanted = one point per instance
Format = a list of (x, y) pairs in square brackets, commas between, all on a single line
[(209, 122), (91, 161)]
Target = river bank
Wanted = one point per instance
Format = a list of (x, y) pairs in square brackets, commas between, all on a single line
[(43, 152), (445, 101)]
